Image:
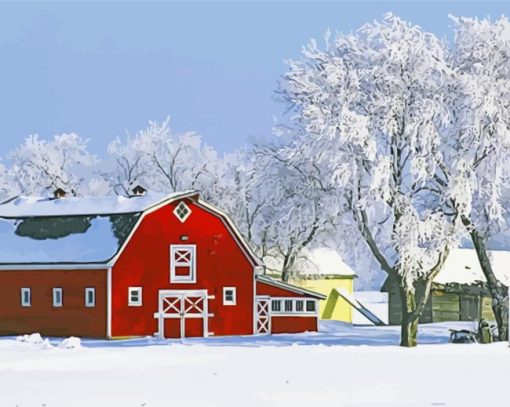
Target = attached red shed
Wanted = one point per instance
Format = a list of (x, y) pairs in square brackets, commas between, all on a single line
[(172, 266)]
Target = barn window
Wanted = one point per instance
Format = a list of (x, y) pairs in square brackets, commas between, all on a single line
[(182, 264), (26, 300), (276, 305), (310, 306), (288, 305), (229, 296), (299, 306), (182, 211), (135, 296), (90, 297), (57, 297)]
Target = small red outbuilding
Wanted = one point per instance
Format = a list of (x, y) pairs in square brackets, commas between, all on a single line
[(111, 267)]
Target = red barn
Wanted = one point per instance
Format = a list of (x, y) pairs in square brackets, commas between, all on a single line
[(111, 267)]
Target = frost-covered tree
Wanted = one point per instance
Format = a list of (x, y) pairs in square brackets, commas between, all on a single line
[(8, 187), (296, 212), (370, 109), (272, 204), (40, 166), (162, 161), (479, 141), (241, 193)]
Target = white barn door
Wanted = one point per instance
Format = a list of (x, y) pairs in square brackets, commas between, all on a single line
[(263, 311), (178, 306)]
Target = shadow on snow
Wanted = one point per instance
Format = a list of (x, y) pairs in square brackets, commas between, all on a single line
[(331, 333)]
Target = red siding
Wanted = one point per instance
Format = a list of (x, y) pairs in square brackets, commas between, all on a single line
[(267, 289), (286, 324), (145, 262), (73, 318)]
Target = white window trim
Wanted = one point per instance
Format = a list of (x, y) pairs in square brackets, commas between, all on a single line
[(93, 303), (294, 312), (180, 204), (23, 302), (183, 279), (234, 294), (55, 291), (140, 300)]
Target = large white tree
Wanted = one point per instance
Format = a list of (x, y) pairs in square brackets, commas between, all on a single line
[(40, 166), (478, 142), (370, 108)]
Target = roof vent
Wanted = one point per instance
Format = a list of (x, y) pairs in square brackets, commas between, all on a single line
[(59, 193), (139, 190)]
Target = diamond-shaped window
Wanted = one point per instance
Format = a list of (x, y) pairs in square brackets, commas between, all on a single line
[(182, 211)]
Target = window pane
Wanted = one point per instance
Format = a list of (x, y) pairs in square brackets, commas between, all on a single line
[(182, 263), (25, 297), (57, 297), (310, 306), (299, 305), (182, 271), (275, 305), (90, 297), (288, 305)]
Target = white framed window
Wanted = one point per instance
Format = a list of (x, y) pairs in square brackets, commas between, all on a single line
[(57, 297), (26, 297), (135, 296), (293, 306), (90, 297), (182, 211), (276, 305), (183, 263), (229, 296)]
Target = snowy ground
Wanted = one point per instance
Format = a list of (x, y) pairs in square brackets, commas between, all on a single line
[(337, 366)]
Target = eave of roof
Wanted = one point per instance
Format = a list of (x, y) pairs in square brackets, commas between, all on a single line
[(289, 287)]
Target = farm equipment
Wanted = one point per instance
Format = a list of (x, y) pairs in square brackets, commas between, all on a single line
[(485, 334)]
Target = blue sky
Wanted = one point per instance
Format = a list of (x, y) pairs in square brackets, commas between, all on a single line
[(101, 69)]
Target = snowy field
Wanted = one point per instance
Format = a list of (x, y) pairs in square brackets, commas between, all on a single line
[(340, 366)]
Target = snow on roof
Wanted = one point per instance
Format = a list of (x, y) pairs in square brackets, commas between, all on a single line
[(82, 239), (24, 206), (326, 262), (70, 230), (463, 267)]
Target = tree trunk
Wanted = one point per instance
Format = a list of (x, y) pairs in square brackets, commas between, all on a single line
[(409, 325), (288, 261), (499, 292), (409, 331)]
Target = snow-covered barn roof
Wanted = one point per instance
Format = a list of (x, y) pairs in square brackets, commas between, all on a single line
[(28, 206), (324, 262), (88, 230), (463, 267)]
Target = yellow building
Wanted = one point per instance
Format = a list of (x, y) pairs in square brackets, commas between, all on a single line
[(323, 271)]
